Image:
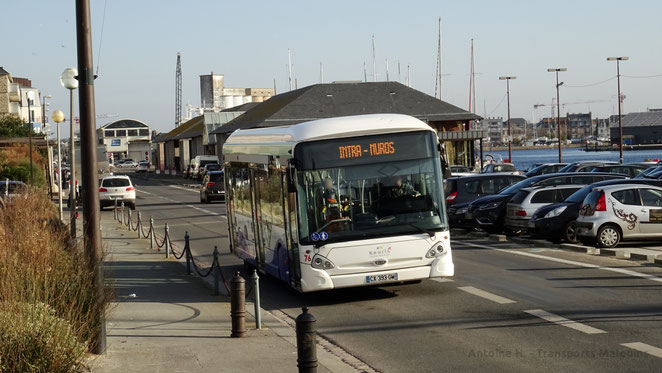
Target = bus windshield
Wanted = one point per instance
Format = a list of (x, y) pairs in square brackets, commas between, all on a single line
[(386, 185)]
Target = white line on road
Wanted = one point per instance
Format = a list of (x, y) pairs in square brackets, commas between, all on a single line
[(184, 188), (560, 320), (570, 262), (441, 279), (187, 205), (486, 295), (651, 350)]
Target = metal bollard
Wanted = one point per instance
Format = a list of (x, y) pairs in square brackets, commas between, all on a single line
[(238, 306), (115, 209), (151, 232), (140, 228), (187, 250), (217, 272), (122, 216), (128, 222), (165, 240), (306, 342), (256, 289)]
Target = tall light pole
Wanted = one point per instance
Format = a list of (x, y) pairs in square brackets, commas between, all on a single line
[(510, 136), (58, 117), (620, 123), (69, 80), (88, 149), (30, 97), (558, 107)]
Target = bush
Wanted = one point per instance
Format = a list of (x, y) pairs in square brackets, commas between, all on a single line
[(34, 339), (39, 265), (15, 164)]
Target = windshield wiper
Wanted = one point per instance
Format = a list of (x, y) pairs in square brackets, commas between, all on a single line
[(429, 232)]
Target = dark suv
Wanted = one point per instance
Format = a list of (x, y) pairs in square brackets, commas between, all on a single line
[(459, 191), (213, 187), (489, 212), (545, 168), (629, 170)]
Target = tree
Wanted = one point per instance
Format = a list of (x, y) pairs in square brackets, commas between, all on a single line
[(13, 126)]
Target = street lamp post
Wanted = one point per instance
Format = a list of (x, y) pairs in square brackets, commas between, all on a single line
[(58, 117), (558, 107), (30, 96), (510, 136), (69, 80), (44, 119), (620, 123)]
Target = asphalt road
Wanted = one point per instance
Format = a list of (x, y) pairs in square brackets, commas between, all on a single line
[(509, 307)]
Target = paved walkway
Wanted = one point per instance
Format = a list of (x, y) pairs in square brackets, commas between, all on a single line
[(165, 321)]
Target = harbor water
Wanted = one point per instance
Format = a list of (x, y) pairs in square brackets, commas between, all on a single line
[(523, 159)]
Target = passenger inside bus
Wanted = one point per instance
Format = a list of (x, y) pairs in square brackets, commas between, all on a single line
[(402, 189)]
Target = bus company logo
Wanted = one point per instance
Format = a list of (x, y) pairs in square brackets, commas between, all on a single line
[(380, 251)]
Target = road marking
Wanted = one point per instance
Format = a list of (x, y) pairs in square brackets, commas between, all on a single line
[(570, 262), (184, 188), (556, 319), (651, 350), (486, 295), (441, 279), (185, 204)]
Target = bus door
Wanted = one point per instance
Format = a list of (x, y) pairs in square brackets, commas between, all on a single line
[(267, 224), (243, 214)]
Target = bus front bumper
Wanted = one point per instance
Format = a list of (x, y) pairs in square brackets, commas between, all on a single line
[(321, 280)]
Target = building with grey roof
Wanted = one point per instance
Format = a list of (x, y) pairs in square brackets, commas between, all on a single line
[(638, 128)]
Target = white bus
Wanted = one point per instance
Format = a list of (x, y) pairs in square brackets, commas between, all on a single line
[(339, 202)]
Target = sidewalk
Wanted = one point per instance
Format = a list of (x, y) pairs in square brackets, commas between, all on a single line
[(165, 321)]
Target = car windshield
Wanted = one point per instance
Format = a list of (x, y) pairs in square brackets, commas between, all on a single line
[(578, 196), (203, 163), (115, 183), (374, 197), (504, 168), (510, 190), (216, 177)]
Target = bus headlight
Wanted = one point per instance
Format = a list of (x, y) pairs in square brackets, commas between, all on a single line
[(321, 262), (436, 250)]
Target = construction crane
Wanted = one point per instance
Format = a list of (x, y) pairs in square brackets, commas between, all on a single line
[(178, 91)]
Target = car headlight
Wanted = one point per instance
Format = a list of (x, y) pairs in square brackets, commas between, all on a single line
[(321, 262), (491, 205), (436, 250), (554, 213), (462, 211)]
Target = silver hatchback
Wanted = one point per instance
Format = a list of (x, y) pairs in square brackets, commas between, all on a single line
[(613, 213), (527, 201)]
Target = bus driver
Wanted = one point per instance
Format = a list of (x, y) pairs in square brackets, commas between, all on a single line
[(403, 189)]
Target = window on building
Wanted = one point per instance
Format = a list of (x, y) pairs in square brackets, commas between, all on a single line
[(133, 132), (109, 133), (119, 133), (143, 132)]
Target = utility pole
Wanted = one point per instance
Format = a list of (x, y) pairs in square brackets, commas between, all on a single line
[(88, 142), (510, 136), (374, 60), (558, 106), (178, 90), (289, 67), (620, 101), (439, 56)]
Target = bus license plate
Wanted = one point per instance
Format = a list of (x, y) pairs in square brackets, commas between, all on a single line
[(381, 278)]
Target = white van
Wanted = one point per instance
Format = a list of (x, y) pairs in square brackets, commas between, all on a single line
[(199, 162)]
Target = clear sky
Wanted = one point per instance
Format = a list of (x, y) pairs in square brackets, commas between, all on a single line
[(248, 41)]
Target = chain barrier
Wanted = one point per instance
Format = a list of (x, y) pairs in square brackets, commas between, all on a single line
[(125, 217)]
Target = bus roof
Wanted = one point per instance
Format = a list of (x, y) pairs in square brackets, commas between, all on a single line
[(276, 139)]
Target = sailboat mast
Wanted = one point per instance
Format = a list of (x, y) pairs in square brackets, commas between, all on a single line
[(471, 77), (289, 67), (374, 60), (387, 78), (439, 57)]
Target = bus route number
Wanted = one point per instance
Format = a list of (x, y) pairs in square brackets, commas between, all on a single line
[(307, 258), (373, 149)]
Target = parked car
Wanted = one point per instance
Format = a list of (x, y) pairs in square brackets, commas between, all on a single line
[(210, 167), (457, 170), (524, 203), (489, 212), (585, 166), (12, 188), (213, 187), (500, 167), (556, 222), (613, 213), (128, 163), (117, 188), (199, 162), (629, 170), (143, 166), (649, 172), (545, 168)]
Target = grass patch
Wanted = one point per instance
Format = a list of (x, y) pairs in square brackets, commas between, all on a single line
[(47, 287)]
